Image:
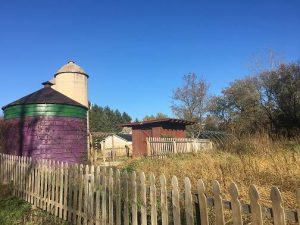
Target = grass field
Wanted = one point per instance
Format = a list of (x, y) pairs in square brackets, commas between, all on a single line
[(258, 161), (16, 211)]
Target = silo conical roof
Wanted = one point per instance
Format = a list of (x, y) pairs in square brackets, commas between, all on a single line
[(71, 67)]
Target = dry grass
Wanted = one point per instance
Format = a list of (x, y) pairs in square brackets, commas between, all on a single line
[(256, 161)]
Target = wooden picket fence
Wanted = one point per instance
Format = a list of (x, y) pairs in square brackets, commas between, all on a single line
[(157, 146), (93, 195)]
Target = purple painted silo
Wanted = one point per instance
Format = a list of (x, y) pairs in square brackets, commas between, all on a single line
[(47, 125)]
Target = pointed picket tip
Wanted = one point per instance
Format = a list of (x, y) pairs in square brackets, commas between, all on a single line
[(253, 192), (152, 179), (187, 183), (275, 194), (174, 181), (233, 190), (163, 180), (201, 186), (216, 187), (142, 177)]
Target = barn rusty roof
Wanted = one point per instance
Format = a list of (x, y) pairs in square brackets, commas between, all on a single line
[(159, 121), (46, 95)]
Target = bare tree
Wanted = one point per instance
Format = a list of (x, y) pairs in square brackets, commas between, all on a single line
[(190, 101)]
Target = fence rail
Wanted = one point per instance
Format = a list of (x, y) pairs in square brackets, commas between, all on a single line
[(93, 195), (157, 146)]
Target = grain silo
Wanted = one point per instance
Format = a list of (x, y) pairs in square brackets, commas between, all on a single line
[(47, 125)]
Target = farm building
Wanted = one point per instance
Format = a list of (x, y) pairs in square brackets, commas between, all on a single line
[(120, 143), (166, 127), (51, 123)]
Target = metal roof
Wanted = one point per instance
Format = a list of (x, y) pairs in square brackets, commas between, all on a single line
[(46, 95), (159, 121), (71, 67)]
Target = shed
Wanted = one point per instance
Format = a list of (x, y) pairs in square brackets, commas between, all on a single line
[(166, 127), (47, 125)]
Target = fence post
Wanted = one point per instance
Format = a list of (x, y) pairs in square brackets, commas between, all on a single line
[(143, 199), (126, 212), (118, 198), (153, 200), (218, 203), (148, 147), (236, 205), (175, 201), (104, 215), (298, 204), (164, 200), (202, 203), (133, 198), (255, 206), (98, 206), (174, 147), (278, 210), (188, 202), (111, 197)]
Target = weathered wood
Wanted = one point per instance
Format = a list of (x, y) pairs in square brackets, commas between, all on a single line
[(202, 203), (298, 204), (86, 194), (175, 201), (91, 190), (111, 197), (256, 210), (65, 188), (164, 200), (143, 199), (75, 189), (98, 195), (236, 205), (103, 194), (153, 200), (218, 204), (278, 210), (126, 200), (80, 194), (133, 199), (118, 197), (61, 188), (188, 202)]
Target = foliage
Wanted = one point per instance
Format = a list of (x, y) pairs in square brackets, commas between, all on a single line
[(269, 101), (106, 119), (16, 211), (158, 115), (190, 101)]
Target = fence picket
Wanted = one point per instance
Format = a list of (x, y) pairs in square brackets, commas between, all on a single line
[(175, 201), (164, 200), (256, 212), (104, 215), (218, 204), (278, 210), (133, 199), (298, 204), (98, 206), (126, 200), (111, 197), (143, 199), (188, 202), (118, 198), (153, 200), (95, 197), (202, 203), (236, 205)]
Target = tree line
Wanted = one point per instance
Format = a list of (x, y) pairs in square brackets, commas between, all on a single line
[(268, 101), (105, 119)]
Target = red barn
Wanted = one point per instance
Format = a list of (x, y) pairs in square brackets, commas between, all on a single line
[(166, 127)]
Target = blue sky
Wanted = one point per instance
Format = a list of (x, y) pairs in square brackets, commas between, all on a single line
[(136, 52)]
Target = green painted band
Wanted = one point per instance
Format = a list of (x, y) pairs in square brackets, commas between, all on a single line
[(19, 111)]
